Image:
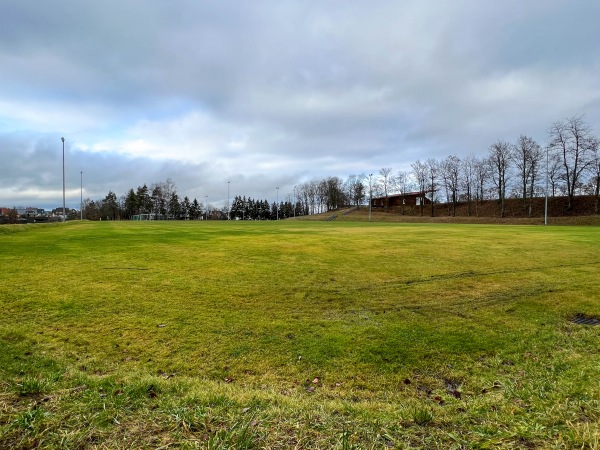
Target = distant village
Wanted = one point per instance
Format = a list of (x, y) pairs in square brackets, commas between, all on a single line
[(21, 214)]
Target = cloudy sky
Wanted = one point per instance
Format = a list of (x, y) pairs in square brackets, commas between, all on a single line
[(274, 93)]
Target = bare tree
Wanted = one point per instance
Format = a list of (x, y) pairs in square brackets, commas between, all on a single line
[(168, 188), (482, 175), (527, 156), (573, 141), (355, 188), (451, 170), (468, 179), (419, 171), (446, 185), (322, 195), (595, 169), (401, 183), (311, 192), (335, 197), (499, 162), (554, 173), (303, 192), (385, 180), (537, 158), (433, 170)]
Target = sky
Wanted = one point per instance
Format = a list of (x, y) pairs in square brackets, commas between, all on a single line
[(233, 98)]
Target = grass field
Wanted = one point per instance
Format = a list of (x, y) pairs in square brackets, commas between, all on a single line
[(298, 335)]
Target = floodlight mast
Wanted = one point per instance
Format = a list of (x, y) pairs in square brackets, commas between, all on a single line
[(63, 177), (370, 195), (546, 200)]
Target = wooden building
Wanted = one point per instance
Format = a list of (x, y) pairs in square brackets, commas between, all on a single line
[(397, 200)]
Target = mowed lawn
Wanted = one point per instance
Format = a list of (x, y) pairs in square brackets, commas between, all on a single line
[(298, 334)]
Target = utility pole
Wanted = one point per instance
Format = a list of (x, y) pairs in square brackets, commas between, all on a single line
[(81, 200)]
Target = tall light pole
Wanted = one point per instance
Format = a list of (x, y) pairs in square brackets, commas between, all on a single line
[(63, 168), (228, 205), (370, 195), (81, 200), (295, 201), (277, 202), (546, 200), (206, 207)]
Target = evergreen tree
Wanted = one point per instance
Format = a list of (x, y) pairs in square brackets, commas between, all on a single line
[(195, 210), (174, 206), (92, 211), (131, 204), (110, 207), (185, 208), (144, 202), (237, 208)]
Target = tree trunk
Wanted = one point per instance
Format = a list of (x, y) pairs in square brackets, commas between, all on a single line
[(570, 202), (597, 195)]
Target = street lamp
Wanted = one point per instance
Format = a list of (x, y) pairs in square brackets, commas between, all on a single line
[(277, 203), (206, 207), (228, 206), (294, 201), (63, 170)]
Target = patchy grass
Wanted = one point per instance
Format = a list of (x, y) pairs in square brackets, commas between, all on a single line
[(298, 334)]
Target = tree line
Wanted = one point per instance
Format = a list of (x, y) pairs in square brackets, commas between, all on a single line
[(570, 157), (160, 199)]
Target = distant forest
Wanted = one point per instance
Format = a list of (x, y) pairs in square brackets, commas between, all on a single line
[(568, 165)]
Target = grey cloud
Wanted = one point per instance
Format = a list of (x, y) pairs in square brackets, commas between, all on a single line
[(311, 88)]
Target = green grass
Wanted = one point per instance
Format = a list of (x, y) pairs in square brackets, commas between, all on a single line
[(298, 335)]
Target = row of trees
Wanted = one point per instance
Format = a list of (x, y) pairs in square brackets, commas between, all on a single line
[(160, 199), (518, 170), (508, 170), (243, 208), (163, 200)]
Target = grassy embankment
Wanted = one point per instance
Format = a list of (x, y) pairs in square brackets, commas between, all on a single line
[(298, 335), (379, 215)]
